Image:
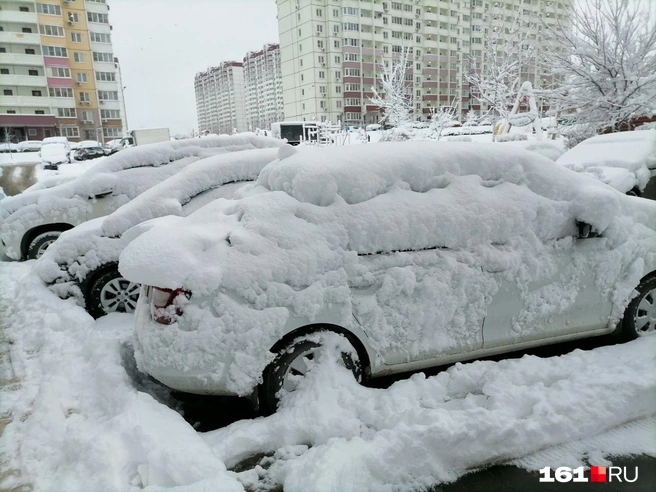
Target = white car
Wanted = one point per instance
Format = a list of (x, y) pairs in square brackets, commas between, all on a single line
[(418, 253), (30, 146), (83, 262), (625, 160), (31, 221)]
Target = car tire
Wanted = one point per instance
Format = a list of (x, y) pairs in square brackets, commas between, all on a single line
[(110, 292), (40, 243), (640, 315), (288, 361), (634, 192)]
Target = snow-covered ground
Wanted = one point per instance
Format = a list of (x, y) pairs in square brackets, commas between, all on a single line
[(82, 418)]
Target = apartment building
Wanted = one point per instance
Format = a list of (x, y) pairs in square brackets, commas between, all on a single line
[(263, 87), (58, 73), (332, 51), (220, 98)]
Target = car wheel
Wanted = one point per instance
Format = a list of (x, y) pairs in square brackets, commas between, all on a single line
[(640, 315), (294, 362), (39, 244), (634, 192), (109, 292)]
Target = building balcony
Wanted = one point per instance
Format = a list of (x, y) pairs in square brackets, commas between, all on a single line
[(21, 59), (23, 80), (25, 101), (10, 37), (25, 120), (17, 17), (432, 30)]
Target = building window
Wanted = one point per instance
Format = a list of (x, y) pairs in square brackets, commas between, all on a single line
[(338, 104), (98, 37), (338, 75), (59, 72), (112, 131), (11, 111), (39, 111), (110, 114), (57, 51), (95, 17), (319, 28), (8, 92), (338, 89), (51, 30), (4, 50), (336, 44), (23, 9), (106, 76), (103, 57), (28, 51), (27, 30), (81, 78), (36, 93), (48, 9), (31, 132), (76, 37), (322, 74), (78, 57), (70, 131), (108, 95), (66, 113), (84, 97), (5, 71), (350, 26), (47, 132), (319, 13), (73, 18), (87, 117), (60, 92)]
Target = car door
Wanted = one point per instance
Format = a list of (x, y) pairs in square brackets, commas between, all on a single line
[(553, 295), (420, 305)]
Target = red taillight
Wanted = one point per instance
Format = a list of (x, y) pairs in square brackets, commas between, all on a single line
[(163, 306)]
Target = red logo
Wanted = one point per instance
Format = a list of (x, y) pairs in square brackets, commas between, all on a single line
[(597, 473)]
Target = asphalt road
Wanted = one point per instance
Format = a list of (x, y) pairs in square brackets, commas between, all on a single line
[(15, 179)]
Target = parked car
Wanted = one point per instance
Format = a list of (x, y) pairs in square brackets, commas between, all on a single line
[(83, 262), (30, 146), (88, 149), (53, 154), (626, 160), (417, 253), (6, 148), (31, 221)]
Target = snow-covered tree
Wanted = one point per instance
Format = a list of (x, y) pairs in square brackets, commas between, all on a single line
[(396, 97), (607, 60), (443, 117), (470, 119), (494, 77)]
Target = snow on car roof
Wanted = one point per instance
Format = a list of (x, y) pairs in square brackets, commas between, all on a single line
[(136, 169), (168, 197), (633, 152), (316, 210)]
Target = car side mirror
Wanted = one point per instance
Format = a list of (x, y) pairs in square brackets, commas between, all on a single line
[(586, 231)]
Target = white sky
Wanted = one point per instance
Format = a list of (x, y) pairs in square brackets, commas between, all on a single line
[(161, 44)]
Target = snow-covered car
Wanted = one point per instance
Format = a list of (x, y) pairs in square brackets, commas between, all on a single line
[(418, 253), (53, 154), (83, 262), (30, 146), (31, 221), (6, 148), (626, 160), (88, 149)]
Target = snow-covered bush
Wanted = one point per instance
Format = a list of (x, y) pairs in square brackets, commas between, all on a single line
[(399, 134), (575, 134), (512, 138)]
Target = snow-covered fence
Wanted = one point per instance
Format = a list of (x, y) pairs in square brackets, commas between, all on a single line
[(512, 138)]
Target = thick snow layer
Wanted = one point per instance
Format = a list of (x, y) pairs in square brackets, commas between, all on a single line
[(82, 418), (333, 434), (407, 237), (622, 160), (98, 242), (125, 175)]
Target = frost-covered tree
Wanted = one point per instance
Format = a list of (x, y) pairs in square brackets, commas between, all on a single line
[(396, 97), (443, 117), (470, 119), (607, 60), (494, 77)]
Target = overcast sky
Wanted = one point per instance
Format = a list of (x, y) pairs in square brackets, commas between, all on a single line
[(161, 44)]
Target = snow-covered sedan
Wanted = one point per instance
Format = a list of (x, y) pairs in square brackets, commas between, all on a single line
[(32, 221), (626, 160), (83, 262), (418, 253)]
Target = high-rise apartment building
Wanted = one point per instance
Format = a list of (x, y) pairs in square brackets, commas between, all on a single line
[(220, 98), (332, 51), (263, 86), (58, 73)]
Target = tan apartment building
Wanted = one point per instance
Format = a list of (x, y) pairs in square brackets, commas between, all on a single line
[(58, 73)]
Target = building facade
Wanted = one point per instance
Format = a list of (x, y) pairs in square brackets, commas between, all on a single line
[(220, 98), (58, 73), (263, 87), (332, 51)]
